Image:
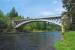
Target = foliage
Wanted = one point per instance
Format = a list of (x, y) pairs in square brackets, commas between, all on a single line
[(6, 20), (69, 5), (1, 14), (68, 43), (12, 13), (2, 20)]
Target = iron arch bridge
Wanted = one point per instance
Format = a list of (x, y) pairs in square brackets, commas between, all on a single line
[(55, 20)]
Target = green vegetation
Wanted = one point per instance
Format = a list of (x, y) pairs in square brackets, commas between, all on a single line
[(6, 20), (68, 41), (3, 25)]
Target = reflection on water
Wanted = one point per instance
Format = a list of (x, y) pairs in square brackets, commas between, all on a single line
[(29, 41)]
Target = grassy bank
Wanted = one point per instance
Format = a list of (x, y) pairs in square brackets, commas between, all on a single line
[(68, 43)]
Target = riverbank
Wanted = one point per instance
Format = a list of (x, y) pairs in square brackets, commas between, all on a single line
[(68, 43), (26, 32), (43, 31), (29, 31)]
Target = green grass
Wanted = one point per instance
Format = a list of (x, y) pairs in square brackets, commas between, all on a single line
[(68, 43)]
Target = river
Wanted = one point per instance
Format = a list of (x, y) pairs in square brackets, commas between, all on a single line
[(29, 41)]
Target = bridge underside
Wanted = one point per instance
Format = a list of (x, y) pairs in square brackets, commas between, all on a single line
[(38, 26)]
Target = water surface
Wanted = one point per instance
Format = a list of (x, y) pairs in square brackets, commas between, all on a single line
[(29, 41)]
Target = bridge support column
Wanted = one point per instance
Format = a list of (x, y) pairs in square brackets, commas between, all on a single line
[(62, 29)]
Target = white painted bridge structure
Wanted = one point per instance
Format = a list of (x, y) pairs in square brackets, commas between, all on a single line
[(55, 20)]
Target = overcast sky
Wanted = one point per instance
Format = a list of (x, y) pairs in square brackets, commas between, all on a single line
[(33, 8)]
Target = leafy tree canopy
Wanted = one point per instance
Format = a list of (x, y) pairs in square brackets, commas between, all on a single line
[(1, 15), (12, 13), (69, 5)]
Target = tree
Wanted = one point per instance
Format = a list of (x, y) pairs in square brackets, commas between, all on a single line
[(3, 22), (1, 14), (69, 5), (12, 13)]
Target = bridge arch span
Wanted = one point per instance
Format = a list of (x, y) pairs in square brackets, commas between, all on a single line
[(29, 21)]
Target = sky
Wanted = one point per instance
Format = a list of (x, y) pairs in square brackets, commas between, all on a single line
[(33, 8)]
